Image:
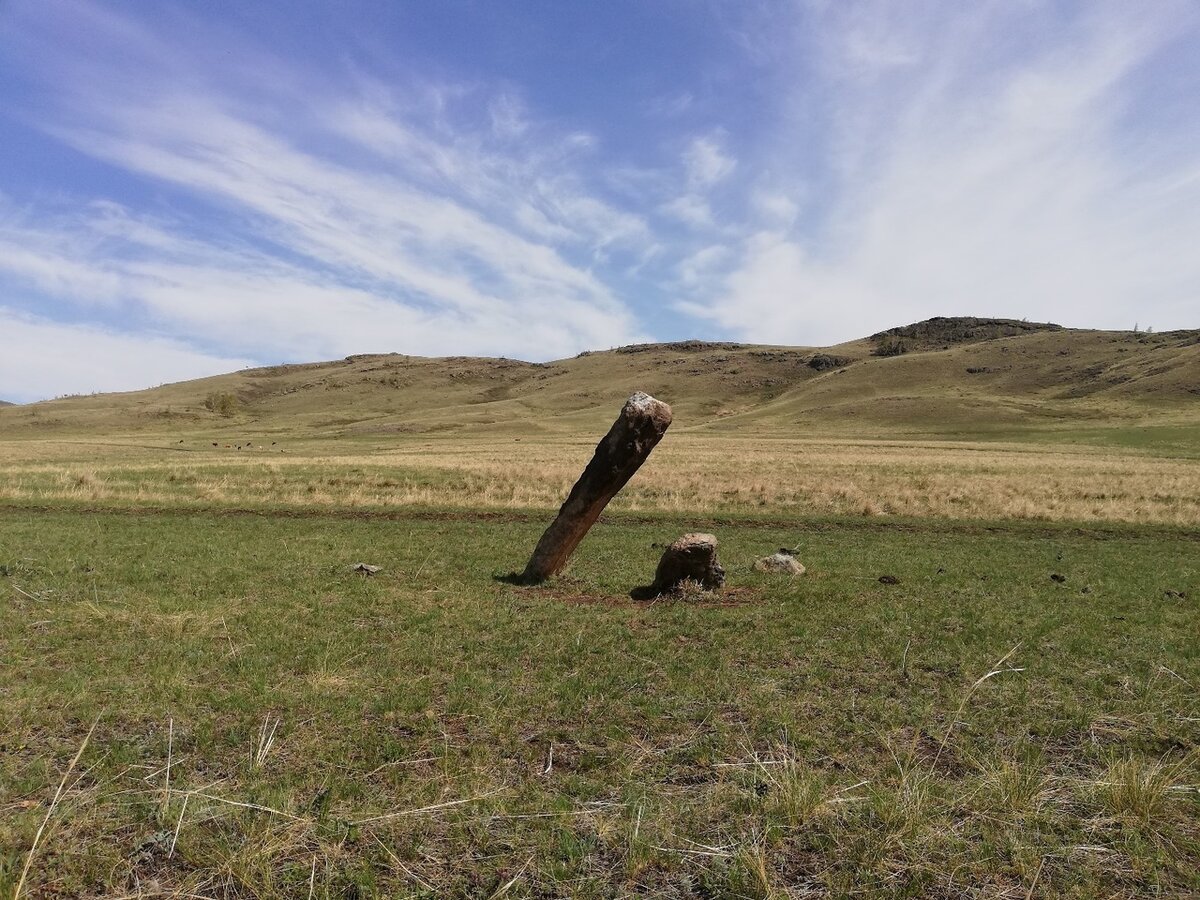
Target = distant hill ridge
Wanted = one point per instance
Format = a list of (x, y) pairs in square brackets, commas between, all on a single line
[(941, 376), (963, 330)]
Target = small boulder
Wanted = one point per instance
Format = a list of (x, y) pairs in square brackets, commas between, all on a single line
[(362, 568), (782, 562), (691, 558)]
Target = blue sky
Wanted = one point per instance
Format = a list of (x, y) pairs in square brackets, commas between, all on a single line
[(189, 188)]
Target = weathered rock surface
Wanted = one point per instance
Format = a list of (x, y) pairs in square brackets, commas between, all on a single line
[(781, 562), (823, 362), (691, 558)]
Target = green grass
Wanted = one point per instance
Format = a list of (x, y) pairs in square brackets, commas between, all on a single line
[(1178, 441), (434, 731)]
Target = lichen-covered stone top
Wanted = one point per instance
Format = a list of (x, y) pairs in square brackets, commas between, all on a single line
[(641, 401), (642, 404), (695, 539)]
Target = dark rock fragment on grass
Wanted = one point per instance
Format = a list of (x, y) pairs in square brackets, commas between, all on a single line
[(1057, 578), (364, 568), (691, 560), (888, 579)]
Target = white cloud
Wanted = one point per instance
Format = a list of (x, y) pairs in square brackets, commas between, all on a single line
[(509, 117), (701, 267), (776, 207), (44, 359), (706, 163), (773, 296), (528, 184), (690, 209), (876, 38), (369, 222), (36, 264), (670, 106), (253, 304)]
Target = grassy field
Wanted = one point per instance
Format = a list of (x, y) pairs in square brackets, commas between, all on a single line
[(205, 702), (198, 698)]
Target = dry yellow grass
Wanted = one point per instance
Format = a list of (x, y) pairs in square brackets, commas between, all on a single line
[(688, 473)]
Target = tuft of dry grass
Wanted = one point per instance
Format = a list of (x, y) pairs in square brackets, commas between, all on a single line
[(1015, 789), (1139, 790), (50, 810)]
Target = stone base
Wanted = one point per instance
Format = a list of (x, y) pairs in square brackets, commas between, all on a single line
[(691, 558)]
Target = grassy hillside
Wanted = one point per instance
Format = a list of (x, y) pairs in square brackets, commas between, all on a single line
[(943, 377)]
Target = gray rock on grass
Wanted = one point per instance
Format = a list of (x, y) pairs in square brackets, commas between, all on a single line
[(782, 562)]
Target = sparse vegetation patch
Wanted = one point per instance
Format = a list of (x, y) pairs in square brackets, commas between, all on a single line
[(223, 403)]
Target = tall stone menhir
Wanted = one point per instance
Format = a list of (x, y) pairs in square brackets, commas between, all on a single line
[(638, 429)]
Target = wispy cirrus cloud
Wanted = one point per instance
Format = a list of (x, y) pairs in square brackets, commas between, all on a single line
[(1007, 185), (707, 163), (370, 222), (254, 303), (359, 224)]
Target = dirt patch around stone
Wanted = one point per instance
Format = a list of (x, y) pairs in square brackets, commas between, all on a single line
[(572, 596)]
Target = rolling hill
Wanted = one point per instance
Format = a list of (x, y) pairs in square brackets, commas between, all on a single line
[(942, 377)]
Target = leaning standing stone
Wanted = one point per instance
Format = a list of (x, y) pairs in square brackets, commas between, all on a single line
[(638, 429)]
